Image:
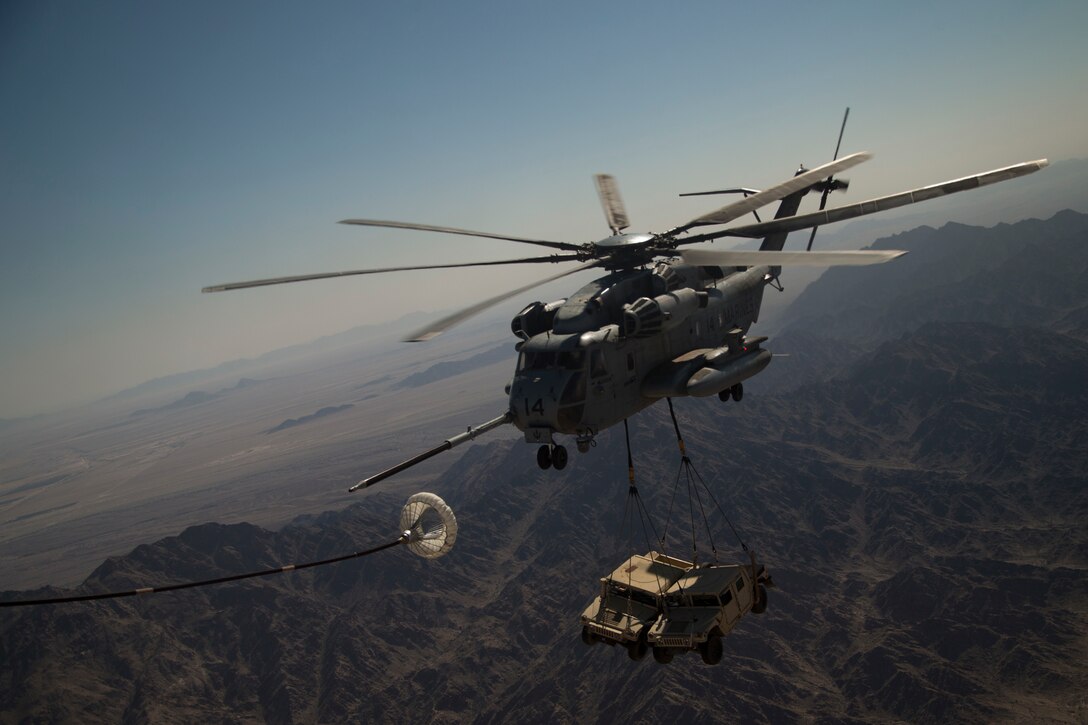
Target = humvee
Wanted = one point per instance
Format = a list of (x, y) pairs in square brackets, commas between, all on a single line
[(705, 603), (630, 602)]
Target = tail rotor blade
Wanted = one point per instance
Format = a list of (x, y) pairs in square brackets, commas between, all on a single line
[(823, 203), (827, 189), (779, 191), (841, 129), (871, 206)]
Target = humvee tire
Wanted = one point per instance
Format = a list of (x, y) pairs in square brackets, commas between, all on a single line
[(711, 651), (759, 606)]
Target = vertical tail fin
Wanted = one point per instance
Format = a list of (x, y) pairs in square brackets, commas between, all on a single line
[(788, 207)]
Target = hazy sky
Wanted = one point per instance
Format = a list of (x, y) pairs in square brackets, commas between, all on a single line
[(150, 148)]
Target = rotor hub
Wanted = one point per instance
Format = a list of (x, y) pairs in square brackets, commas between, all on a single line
[(624, 241), (626, 251)]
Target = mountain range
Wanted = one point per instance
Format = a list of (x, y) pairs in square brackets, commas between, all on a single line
[(913, 476)]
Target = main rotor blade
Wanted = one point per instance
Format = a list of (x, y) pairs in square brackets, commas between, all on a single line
[(758, 258), (466, 232), (439, 326), (838, 214), (350, 273), (738, 209), (612, 203)]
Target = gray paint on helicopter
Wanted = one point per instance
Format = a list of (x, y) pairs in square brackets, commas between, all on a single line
[(662, 323)]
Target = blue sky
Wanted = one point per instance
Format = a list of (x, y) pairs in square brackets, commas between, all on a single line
[(150, 148)]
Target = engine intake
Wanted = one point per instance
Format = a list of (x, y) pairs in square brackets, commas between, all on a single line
[(645, 317), (535, 319)]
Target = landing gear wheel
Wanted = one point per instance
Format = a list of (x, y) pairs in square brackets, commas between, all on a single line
[(587, 637), (760, 604), (662, 655), (583, 446), (711, 651), (723, 395), (737, 391), (559, 457), (544, 457), (637, 650)]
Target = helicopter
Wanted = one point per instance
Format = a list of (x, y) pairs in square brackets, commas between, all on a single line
[(664, 321)]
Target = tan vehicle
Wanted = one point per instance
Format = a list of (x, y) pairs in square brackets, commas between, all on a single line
[(702, 605), (673, 606), (631, 601)]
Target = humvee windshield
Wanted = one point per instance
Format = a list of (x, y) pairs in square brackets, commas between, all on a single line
[(697, 600), (636, 595)]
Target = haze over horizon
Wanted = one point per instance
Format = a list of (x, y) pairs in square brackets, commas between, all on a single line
[(152, 149)]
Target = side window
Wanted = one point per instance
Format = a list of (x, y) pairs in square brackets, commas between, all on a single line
[(740, 585), (727, 596), (596, 364)]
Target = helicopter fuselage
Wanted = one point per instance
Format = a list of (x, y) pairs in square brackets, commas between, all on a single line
[(638, 334), (630, 338)]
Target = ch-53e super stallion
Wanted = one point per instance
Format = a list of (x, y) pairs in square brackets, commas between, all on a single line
[(665, 321)]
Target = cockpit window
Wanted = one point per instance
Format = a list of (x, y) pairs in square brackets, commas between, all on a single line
[(536, 360), (573, 360)]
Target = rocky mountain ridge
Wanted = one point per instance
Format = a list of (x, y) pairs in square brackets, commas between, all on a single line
[(1030, 274), (920, 505)]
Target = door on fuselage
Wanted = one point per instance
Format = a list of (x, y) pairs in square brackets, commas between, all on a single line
[(572, 401)]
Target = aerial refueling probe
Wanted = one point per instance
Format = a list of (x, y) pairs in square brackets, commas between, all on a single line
[(457, 440)]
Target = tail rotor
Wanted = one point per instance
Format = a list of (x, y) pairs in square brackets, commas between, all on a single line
[(831, 183)]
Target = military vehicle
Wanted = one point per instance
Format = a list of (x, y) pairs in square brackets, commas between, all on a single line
[(630, 602), (704, 604), (673, 606)]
